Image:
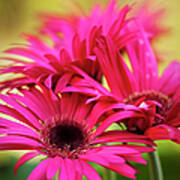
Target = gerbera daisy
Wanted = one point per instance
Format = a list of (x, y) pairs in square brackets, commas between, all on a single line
[(63, 130), (75, 46), (109, 19), (112, 21), (158, 97)]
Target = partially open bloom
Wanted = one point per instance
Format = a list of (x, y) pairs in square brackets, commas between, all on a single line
[(139, 84), (63, 130), (112, 21)]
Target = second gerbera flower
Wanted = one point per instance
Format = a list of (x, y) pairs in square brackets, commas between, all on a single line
[(140, 85)]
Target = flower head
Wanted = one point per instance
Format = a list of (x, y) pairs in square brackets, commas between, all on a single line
[(63, 129), (139, 84), (112, 20), (40, 63)]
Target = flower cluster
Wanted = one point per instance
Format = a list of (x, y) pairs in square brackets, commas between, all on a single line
[(57, 106)]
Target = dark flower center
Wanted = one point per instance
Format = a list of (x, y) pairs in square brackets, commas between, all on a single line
[(66, 136), (162, 106)]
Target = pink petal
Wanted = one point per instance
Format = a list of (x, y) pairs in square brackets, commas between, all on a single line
[(103, 157), (118, 76), (169, 81), (18, 129), (91, 81), (63, 174), (65, 57), (102, 107), (29, 53), (135, 158), (115, 149), (114, 118), (118, 167), (53, 166), (70, 167), (13, 142), (89, 172), (22, 110), (36, 43), (122, 136), (160, 132), (123, 169), (63, 81), (143, 60), (79, 170)]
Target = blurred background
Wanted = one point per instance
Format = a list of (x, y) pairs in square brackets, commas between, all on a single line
[(18, 16)]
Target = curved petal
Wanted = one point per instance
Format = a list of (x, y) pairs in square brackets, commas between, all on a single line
[(89, 172), (173, 115), (123, 137), (12, 128), (114, 118), (118, 167), (20, 111), (160, 132), (63, 174), (169, 82), (119, 77), (71, 169), (14, 142), (142, 59), (53, 166)]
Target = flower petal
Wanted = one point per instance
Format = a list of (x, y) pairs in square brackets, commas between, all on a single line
[(122, 136), (89, 172), (114, 118), (53, 166)]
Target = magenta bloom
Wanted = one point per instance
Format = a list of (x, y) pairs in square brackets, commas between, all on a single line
[(112, 21), (62, 129), (158, 98), (76, 46)]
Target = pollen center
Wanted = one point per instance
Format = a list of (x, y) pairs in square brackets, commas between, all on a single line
[(66, 136)]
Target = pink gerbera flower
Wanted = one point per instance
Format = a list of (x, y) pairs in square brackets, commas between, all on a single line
[(111, 20), (76, 46), (158, 97), (62, 129)]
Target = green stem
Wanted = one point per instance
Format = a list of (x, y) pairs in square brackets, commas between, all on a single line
[(113, 175), (57, 175), (106, 174), (109, 175), (155, 166)]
